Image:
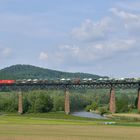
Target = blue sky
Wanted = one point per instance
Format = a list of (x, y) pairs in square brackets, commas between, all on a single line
[(94, 36)]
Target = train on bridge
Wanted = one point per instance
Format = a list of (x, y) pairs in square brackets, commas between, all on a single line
[(67, 84), (69, 80)]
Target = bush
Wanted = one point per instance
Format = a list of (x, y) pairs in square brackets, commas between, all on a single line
[(93, 106), (58, 103), (37, 101), (9, 102), (40, 102), (122, 104), (26, 104), (103, 110), (88, 108)]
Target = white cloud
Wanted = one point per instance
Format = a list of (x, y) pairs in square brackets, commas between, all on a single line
[(102, 39), (105, 37), (70, 48), (130, 21), (89, 52), (5, 52), (90, 30), (43, 56), (123, 14)]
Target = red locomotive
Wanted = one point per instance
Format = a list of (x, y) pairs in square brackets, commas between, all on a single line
[(7, 82)]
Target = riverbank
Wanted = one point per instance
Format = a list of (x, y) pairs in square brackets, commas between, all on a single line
[(125, 116)]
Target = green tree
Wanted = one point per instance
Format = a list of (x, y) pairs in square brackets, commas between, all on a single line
[(92, 106), (122, 103), (39, 101), (103, 110), (78, 102), (8, 102), (43, 103), (58, 103), (26, 104)]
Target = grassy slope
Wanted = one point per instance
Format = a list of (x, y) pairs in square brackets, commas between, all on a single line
[(58, 126)]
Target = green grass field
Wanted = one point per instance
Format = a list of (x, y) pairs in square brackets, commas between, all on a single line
[(57, 126)]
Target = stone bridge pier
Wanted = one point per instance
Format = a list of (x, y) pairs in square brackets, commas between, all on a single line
[(20, 104), (138, 105), (67, 101), (112, 102)]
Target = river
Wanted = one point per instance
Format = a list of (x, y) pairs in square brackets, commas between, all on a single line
[(88, 115)]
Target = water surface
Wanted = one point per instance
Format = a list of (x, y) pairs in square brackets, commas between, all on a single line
[(88, 115)]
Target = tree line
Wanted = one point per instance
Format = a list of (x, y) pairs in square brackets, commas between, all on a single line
[(45, 101)]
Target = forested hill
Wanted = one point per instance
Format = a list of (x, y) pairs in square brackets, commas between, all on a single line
[(33, 72)]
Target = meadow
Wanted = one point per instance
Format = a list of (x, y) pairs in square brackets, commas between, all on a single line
[(58, 126)]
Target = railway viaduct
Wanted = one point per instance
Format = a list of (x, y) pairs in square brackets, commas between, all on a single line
[(19, 87)]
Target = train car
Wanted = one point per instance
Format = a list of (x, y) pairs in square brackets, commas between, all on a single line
[(87, 80), (7, 82), (76, 80)]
